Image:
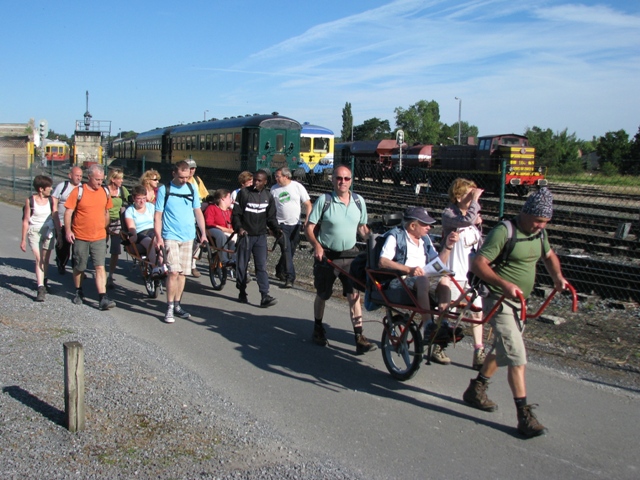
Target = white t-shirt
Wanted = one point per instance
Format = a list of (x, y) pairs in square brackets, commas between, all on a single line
[(288, 202), (468, 238), (62, 197)]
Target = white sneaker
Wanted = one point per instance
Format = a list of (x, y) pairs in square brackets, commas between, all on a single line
[(168, 317)]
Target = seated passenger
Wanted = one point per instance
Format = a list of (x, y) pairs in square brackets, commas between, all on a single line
[(139, 223), (408, 249), (217, 218)]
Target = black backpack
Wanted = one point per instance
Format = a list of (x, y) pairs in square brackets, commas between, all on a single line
[(32, 206), (188, 196)]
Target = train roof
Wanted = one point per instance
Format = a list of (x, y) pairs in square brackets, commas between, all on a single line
[(315, 129), (54, 142), (503, 135), (156, 132), (267, 121)]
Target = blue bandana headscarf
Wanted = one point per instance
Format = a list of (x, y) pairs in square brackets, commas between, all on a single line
[(539, 204)]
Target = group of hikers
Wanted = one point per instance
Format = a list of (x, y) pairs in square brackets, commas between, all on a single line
[(170, 222)]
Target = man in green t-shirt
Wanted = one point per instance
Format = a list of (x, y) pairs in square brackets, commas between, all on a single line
[(515, 275)]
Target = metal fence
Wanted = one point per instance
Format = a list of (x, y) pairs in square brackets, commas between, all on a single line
[(595, 226)]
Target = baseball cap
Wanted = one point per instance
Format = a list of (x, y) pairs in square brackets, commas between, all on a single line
[(191, 162), (420, 214)]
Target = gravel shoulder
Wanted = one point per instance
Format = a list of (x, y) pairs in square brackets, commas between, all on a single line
[(146, 416)]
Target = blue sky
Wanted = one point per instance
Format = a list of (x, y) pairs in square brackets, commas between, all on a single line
[(514, 63)]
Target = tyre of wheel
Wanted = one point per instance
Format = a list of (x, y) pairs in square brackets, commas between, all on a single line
[(217, 274), (150, 284), (401, 357)]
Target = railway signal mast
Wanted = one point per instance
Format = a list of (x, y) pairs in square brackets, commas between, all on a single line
[(400, 141)]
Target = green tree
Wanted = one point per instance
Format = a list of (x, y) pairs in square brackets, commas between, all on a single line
[(60, 136), (559, 150), (632, 166), (347, 123), (420, 122), (372, 129), (614, 148), (449, 133)]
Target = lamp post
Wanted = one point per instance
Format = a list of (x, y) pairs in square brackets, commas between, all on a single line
[(459, 117), (205, 115)]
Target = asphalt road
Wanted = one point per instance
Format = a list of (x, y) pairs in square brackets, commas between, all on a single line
[(337, 405)]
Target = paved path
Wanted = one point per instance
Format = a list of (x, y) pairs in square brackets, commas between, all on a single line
[(348, 408)]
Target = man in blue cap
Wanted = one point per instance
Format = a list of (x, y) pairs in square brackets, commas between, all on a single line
[(513, 276), (408, 249)]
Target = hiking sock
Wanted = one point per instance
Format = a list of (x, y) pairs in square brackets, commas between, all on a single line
[(357, 330), (318, 322), (520, 402), (101, 296), (482, 379)]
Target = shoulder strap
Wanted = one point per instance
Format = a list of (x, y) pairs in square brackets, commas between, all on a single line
[(64, 186), (512, 239), (32, 205), (189, 196), (80, 190)]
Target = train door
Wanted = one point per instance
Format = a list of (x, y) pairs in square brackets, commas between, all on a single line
[(165, 152), (249, 148)]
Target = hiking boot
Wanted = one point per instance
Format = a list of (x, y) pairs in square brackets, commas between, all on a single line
[(528, 424), (479, 357), (195, 273), (168, 317), (46, 285), (110, 284), (180, 312), (281, 276), (42, 292), (106, 303), (268, 301), (288, 284), (318, 337), (438, 355), (363, 345), (242, 297), (476, 396), (79, 298)]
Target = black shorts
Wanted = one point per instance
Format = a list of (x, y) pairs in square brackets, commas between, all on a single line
[(324, 275)]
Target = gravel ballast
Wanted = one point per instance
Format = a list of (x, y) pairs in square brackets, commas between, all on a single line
[(146, 416)]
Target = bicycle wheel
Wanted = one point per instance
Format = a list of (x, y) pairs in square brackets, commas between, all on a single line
[(217, 274), (149, 283), (402, 355)]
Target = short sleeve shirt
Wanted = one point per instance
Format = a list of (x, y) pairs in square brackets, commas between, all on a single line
[(89, 213), (521, 267), (178, 220), (339, 224), (142, 220), (288, 199)]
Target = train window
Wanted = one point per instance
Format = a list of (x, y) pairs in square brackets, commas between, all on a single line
[(214, 141), (229, 142), (321, 144), (305, 144), (208, 142), (484, 144), (202, 142), (279, 143), (194, 142), (236, 142)]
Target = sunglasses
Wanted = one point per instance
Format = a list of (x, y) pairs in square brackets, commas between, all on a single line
[(343, 179), (154, 179)]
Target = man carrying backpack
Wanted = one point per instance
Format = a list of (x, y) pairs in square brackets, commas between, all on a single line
[(177, 213), (515, 274), (86, 217), (340, 216)]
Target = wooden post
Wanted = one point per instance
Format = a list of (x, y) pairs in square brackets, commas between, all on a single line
[(74, 386)]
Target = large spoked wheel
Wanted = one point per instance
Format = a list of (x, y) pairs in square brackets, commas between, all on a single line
[(150, 284), (402, 355), (217, 273)]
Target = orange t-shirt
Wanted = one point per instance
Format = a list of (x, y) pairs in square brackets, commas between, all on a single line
[(89, 214)]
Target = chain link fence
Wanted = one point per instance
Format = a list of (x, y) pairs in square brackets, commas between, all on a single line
[(594, 230)]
